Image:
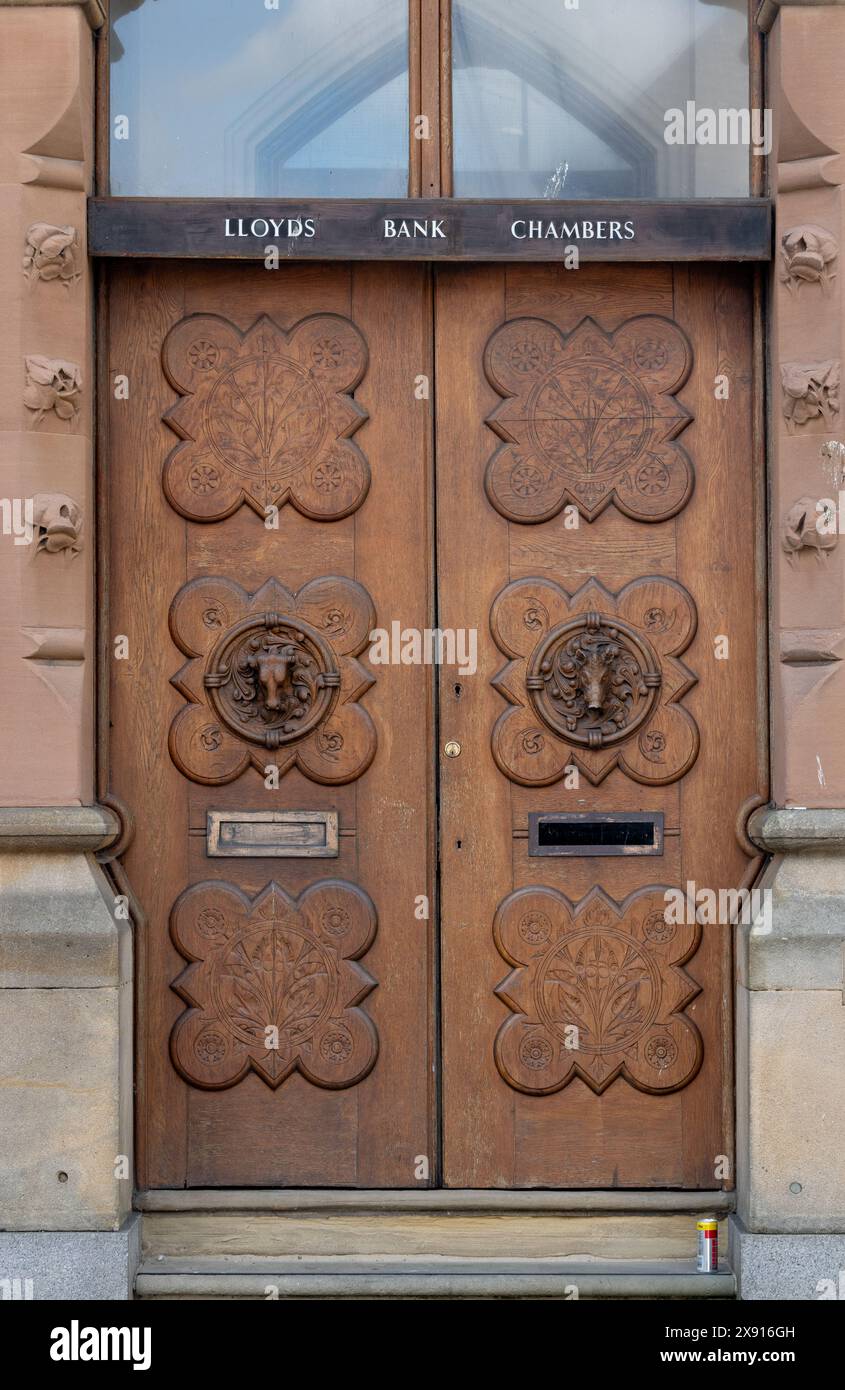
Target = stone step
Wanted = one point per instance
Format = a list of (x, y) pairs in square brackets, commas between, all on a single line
[(441, 1277), (429, 1244)]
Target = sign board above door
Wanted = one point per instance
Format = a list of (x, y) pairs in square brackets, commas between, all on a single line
[(448, 229)]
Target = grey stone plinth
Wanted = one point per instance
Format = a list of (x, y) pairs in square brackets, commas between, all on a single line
[(65, 1046), (787, 1267), (70, 1264), (47, 828), (785, 829), (790, 1039)]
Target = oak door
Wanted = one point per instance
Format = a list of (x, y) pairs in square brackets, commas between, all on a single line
[(269, 504), (270, 479), (597, 429)]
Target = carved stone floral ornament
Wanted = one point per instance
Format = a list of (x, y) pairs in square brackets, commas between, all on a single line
[(598, 991), (807, 255), (272, 678), (594, 680), (265, 417), (52, 384), (810, 392), (273, 984), (589, 418), (52, 254)]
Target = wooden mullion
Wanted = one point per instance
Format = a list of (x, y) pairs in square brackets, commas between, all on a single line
[(446, 142), (414, 97), (430, 97)]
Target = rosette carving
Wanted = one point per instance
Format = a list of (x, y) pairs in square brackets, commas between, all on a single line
[(272, 678), (594, 680), (265, 417), (589, 418), (273, 984), (597, 991)]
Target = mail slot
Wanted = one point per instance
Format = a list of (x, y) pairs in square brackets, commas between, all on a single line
[(272, 834), (583, 833)]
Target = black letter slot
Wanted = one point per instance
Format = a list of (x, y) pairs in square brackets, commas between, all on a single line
[(608, 832)]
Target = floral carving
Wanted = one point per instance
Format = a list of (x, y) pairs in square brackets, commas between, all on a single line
[(807, 254), (265, 416), (809, 525), (52, 384), (597, 669), (810, 392), (269, 989), (52, 254), (272, 676), (600, 995), (588, 418), (57, 523)]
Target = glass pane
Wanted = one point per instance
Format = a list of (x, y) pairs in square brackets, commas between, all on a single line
[(229, 98), (553, 102)]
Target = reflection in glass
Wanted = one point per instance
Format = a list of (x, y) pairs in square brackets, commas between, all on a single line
[(225, 97), (570, 103)]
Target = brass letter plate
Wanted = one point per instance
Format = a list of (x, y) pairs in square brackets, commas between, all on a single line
[(272, 834)]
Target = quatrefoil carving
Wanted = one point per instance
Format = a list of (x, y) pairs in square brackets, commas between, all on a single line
[(273, 984), (272, 678), (265, 416), (597, 991), (594, 680), (589, 418)]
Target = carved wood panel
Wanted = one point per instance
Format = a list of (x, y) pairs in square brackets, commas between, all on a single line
[(594, 681), (273, 984), (598, 991), (589, 418), (278, 392), (266, 417), (272, 677)]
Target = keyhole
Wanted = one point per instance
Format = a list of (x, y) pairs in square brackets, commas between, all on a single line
[(459, 690)]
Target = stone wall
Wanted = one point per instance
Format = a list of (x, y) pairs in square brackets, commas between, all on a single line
[(65, 958), (789, 1234)]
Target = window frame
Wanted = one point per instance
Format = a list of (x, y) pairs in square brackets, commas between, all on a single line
[(430, 169)]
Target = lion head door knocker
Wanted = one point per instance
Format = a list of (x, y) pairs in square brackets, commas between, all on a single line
[(597, 990), (594, 680), (272, 677), (266, 417), (589, 418)]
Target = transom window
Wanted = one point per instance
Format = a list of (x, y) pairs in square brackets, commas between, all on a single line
[(386, 98)]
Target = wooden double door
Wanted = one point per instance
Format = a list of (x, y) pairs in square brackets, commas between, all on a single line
[(402, 921)]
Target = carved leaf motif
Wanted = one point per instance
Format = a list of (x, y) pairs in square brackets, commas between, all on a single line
[(589, 418), (275, 990), (603, 997), (266, 417)]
